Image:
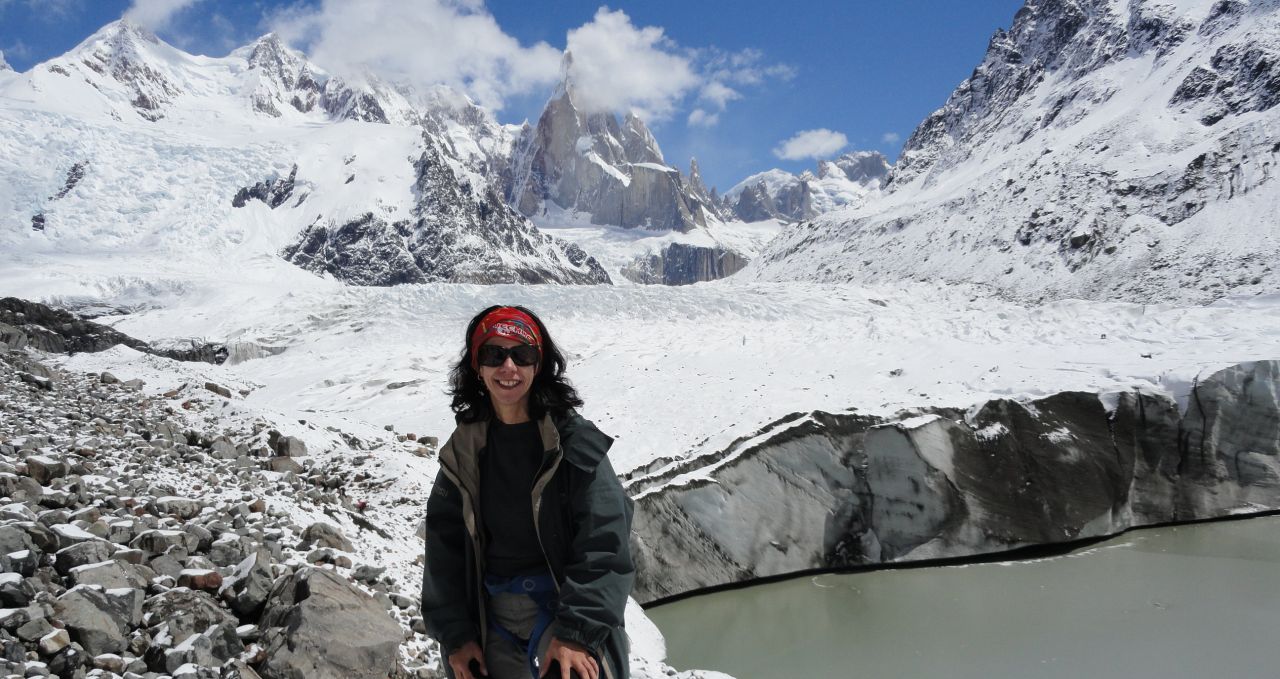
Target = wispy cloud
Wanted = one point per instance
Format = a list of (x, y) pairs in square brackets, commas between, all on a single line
[(46, 11), (820, 143), (890, 138), (426, 42), (700, 117), (156, 15), (712, 100), (17, 50)]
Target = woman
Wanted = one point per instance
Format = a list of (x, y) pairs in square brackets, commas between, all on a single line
[(528, 566)]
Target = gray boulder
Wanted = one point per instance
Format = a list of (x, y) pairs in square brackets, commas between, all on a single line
[(67, 534), (81, 554), (196, 649), (323, 627), (238, 669), (15, 591), (14, 539), (110, 574), (187, 612), (100, 620), (158, 541), (247, 589), (44, 469), (325, 535), (288, 446), (181, 507)]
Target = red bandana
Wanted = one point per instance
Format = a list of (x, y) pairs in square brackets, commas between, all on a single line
[(508, 323)]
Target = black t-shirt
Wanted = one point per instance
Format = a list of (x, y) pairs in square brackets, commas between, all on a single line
[(512, 457)]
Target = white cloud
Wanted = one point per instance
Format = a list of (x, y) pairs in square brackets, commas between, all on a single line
[(619, 67), (890, 138), (616, 65), (702, 118), (820, 143), (156, 14), (712, 100), (425, 42), (718, 94)]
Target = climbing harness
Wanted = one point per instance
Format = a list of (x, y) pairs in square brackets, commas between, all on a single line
[(542, 589)]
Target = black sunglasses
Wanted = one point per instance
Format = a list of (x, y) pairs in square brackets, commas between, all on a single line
[(492, 355)]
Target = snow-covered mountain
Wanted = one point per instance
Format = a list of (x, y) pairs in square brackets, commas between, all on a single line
[(585, 161), (849, 180), (146, 147), (1107, 149), (452, 237)]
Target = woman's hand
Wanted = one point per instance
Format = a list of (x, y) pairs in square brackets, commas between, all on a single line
[(461, 659), (572, 657)]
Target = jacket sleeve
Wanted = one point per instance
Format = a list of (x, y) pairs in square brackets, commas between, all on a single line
[(599, 574), (445, 603)]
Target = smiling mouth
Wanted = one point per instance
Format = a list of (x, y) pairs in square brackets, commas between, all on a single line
[(508, 384)]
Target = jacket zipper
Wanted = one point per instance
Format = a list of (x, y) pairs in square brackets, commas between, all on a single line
[(539, 486)]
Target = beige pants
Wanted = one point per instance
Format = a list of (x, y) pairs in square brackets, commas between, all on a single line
[(518, 614)]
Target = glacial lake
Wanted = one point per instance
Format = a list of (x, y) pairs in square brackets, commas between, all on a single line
[(1198, 600)]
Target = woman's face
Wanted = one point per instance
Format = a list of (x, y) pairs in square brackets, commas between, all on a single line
[(508, 384)]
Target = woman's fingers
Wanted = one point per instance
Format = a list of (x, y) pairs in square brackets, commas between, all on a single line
[(461, 670), (468, 662)]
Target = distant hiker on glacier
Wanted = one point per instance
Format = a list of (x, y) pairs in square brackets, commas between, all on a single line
[(528, 566)]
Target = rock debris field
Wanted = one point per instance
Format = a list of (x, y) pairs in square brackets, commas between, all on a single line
[(111, 568)]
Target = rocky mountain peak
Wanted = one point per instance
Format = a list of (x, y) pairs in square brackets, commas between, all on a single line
[(863, 167), (638, 142), (134, 57), (695, 178), (585, 161), (4, 65), (284, 77), (270, 56), (1050, 41), (778, 194)]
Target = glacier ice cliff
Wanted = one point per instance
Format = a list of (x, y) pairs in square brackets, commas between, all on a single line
[(831, 490)]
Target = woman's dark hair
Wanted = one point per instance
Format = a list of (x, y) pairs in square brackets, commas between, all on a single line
[(550, 392)]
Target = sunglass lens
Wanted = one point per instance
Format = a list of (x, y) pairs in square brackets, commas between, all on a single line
[(492, 356), (524, 355)]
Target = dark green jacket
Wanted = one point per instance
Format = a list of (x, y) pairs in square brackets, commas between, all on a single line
[(583, 519)]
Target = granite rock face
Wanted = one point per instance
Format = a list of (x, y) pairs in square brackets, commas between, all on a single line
[(684, 264), (823, 490), (585, 161)]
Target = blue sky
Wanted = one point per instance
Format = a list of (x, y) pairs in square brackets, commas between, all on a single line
[(727, 82)]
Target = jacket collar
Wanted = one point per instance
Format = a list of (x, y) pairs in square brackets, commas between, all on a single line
[(461, 453)]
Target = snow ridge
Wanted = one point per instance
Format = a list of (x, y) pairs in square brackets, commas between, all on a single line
[(1087, 156)]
